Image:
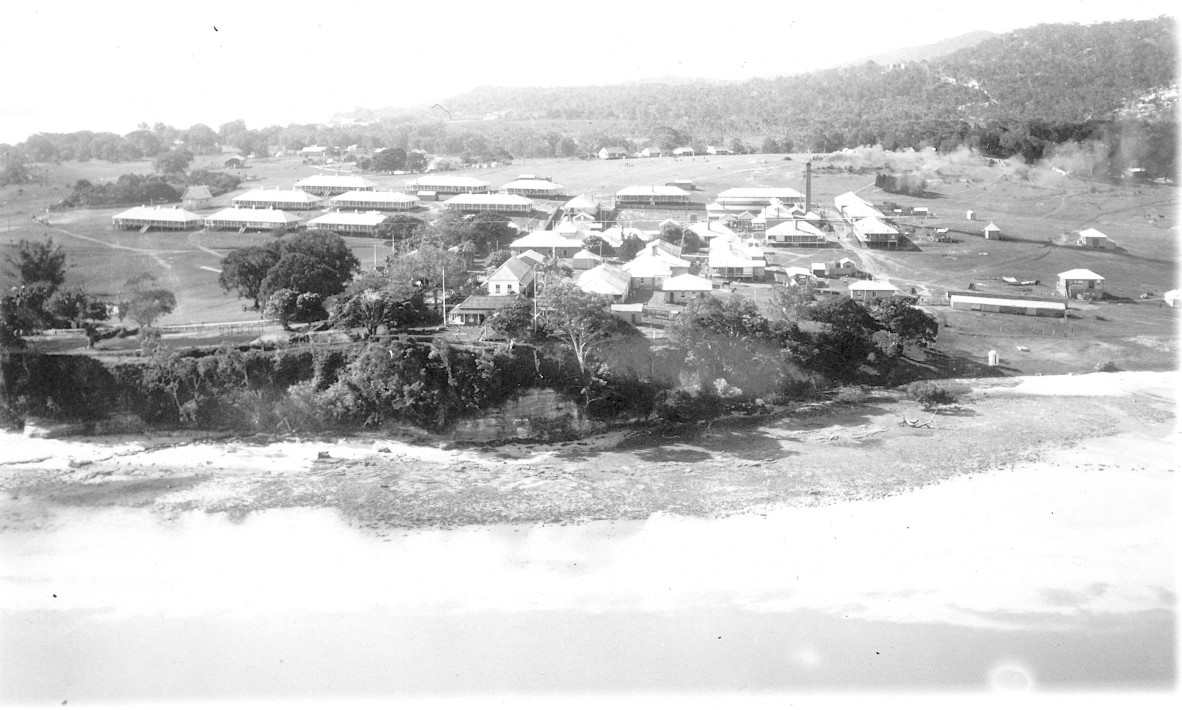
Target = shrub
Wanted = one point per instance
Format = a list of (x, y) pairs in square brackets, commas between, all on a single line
[(930, 395), (852, 395)]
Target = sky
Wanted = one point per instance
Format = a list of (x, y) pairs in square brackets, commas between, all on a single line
[(72, 66)]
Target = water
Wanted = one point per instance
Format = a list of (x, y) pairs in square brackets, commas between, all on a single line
[(1053, 576)]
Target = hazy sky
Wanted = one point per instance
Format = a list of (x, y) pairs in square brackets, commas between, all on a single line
[(109, 66)]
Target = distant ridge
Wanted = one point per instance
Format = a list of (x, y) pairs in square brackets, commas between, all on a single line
[(928, 51)]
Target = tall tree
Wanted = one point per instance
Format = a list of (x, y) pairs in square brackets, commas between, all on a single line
[(144, 301), (37, 262), (581, 321), (245, 269)]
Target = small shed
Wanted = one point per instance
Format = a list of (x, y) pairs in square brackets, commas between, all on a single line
[(1081, 283), (586, 259), (1095, 239), (685, 288), (970, 215), (992, 231), (1172, 299), (196, 197), (234, 161)]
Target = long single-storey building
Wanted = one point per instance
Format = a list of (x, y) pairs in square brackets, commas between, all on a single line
[(474, 310), (869, 290), (1007, 303), (797, 233), (652, 195), (147, 218), (685, 288), (375, 200), (448, 185), (327, 185), (294, 200), (532, 187), (491, 202), (874, 232), (551, 243), (243, 219), (754, 198), (349, 222)]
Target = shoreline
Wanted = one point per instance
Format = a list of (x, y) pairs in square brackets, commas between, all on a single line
[(841, 453)]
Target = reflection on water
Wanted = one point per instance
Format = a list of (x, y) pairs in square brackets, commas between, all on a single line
[(1047, 576)]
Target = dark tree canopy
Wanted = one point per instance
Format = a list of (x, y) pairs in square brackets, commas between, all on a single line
[(37, 262), (245, 269)]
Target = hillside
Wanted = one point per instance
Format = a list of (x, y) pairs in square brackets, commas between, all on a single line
[(1053, 73), (928, 52)]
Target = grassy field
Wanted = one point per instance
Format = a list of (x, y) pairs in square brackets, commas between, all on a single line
[(1034, 207)]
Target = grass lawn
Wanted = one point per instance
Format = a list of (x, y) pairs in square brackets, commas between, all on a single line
[(1033, 207)]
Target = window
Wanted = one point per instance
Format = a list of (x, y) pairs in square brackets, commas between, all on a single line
[(497, 288)]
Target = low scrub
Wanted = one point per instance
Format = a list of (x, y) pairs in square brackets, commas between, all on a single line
[(931, 395)]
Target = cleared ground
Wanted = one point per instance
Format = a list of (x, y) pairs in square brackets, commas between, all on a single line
[(1034, 207)]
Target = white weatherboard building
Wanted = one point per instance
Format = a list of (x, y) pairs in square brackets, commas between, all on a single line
[(148, 218), (652, 195), (532, 187), (375, 200), (606, 280), (549, 243), (685, 288), (729, 258), (869, 290), (1007, 303), (490, 202), (1081, 283), (853, 207), (872, 231), (294, 200), (243, 219), (796, 232), (448, 185), (326, 185), (349, 222), (754, 198)]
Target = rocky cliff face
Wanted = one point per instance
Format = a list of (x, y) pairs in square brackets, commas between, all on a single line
[(535, 414)]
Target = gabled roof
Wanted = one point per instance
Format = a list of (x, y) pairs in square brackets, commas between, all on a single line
[(991, 227), (514, 269), (614, 149), (1092, 232), (1081, 274), (197, 192), (532, 257), (712, 229), (605, 279), (846, 199), (585, 254), (860, 211), (581, 202), (687, 282)]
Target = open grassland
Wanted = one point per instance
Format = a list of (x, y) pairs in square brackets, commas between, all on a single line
[(1033, 206)]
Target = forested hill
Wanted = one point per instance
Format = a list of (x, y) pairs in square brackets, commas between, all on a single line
[(1054, 73)]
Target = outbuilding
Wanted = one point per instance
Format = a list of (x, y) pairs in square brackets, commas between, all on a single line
[(1007, 303), (869, 290), (992, 231), (686, 288), (1081, 283), (196, 197), (585, 259), (1095, 239), (474, 310), (606, 280)]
